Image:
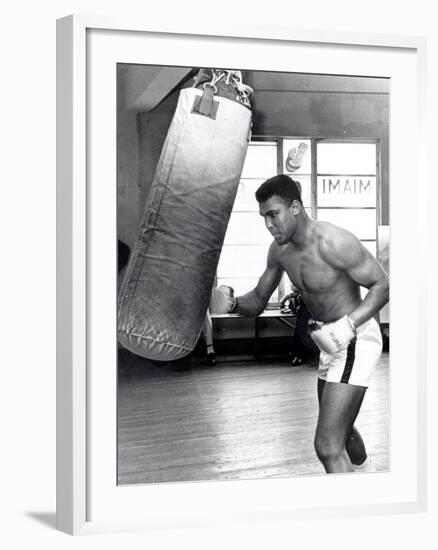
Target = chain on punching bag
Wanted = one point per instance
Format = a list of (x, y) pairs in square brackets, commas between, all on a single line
[(166, 290)]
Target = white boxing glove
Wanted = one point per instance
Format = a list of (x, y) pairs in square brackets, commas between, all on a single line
[(332, 337), (222, 299)]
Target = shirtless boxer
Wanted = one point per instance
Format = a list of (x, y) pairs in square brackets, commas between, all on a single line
[(328, 265)]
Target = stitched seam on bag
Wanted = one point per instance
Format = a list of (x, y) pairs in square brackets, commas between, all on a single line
[(158, 341)]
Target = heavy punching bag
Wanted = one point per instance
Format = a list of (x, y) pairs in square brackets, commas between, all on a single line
[(166, 290)]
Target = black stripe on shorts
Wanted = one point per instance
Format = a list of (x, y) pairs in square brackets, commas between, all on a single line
[(349, 362)]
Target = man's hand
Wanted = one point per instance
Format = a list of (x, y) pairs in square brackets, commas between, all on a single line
[(332, 337), (222, 300)]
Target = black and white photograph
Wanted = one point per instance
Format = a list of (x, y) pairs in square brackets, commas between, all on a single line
[(253, 231), (219, 283)]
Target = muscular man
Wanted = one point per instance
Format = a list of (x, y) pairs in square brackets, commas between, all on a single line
[(328, 265)]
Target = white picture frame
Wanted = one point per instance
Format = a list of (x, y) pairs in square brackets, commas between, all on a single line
[(86, 345)]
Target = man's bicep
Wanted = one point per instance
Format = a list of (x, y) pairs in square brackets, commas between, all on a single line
[(360, 264), (349, 254), (367, 271)]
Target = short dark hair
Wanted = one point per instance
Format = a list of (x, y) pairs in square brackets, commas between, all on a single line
[(283, 186)]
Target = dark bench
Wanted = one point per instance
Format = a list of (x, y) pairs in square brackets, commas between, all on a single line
[(285, 318)]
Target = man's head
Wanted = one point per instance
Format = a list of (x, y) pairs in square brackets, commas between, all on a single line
[(281, 206), (282, 186)]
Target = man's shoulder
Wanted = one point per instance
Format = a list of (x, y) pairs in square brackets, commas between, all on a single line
[(334, 240), (276, 250), (332, 234)]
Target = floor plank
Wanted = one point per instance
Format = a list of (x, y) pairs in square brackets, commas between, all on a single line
[(190, 422)]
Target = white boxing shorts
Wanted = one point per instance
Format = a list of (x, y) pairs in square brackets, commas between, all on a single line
[(356, 364)]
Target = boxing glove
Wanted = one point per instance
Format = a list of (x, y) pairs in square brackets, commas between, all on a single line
[(222, 299), (332, 337)]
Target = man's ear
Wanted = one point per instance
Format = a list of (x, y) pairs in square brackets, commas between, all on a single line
[(295, 207)]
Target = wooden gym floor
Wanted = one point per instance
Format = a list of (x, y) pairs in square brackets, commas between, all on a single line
[(236, 420)]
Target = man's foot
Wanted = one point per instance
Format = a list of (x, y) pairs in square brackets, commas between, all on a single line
[(211, 359), (366, 466)]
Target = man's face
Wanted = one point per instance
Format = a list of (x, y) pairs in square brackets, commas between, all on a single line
[(280, 218)]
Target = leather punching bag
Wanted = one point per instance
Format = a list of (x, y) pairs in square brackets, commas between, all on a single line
[(166, 290)]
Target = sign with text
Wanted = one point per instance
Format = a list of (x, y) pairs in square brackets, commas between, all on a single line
[(347, 191)]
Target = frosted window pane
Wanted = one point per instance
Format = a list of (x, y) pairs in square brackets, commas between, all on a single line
[(371, 247), (247, 228), (260, 161), (245, 197), (346, 158), (383, 237), (356, 191), (296, 156), (361, 223), (243, 261)]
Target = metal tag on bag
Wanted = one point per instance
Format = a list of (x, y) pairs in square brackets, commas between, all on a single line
[(205, 104)]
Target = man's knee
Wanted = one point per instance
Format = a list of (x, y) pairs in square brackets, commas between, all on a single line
[(328, 448)]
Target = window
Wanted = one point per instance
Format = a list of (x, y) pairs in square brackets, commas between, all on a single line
[(243, 257), (347, 188), (339, 182)]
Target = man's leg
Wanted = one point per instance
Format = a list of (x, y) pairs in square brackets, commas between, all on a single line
[(339, 407), (355, 445), (356, 448)]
